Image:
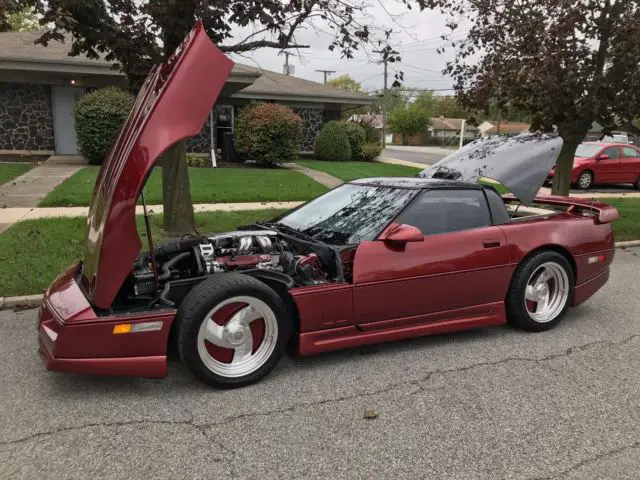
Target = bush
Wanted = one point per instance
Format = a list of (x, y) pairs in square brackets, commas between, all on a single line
[(332, 143), (268, 133), (194, 160), (98, 117), (355, 134), (371, 135), (371, 151)]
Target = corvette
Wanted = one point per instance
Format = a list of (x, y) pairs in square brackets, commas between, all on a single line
[(373, 260)]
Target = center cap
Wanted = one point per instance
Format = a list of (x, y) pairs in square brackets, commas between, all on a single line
[(236, 336)]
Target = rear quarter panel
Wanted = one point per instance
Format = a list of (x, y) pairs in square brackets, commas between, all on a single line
[(581, 237)]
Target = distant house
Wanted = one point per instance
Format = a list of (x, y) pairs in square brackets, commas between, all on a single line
[(451, 127), (40, 85), (375, 120), (493, 127)]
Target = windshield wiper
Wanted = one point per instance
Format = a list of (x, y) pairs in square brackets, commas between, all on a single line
[(287, 229)]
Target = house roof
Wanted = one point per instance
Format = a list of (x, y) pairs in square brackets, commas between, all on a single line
[(444, 123), (375, 121), (491, 127), (18, 52)]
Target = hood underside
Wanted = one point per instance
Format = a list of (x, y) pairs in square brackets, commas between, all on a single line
[(521, 163), (173, 104)]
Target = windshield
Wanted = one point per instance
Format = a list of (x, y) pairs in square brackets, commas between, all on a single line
[(349, 214), (586, 150)]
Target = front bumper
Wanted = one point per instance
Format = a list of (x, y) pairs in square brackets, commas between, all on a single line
[(72, 338)]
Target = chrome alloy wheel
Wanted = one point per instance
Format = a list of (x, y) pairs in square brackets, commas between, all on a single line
[(547, 292), (237, 337), (585, 180)]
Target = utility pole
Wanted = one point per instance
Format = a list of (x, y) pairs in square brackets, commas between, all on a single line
[(385, 61), (326, 73), (287, 70)]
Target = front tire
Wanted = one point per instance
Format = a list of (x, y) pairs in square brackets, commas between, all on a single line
[(540, 292), (585, 180), (232, 330)]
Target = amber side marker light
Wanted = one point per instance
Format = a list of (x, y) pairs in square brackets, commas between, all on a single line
[(136, 327)]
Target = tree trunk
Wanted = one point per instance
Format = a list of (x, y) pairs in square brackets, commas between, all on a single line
[(562, 177), (176, 196)]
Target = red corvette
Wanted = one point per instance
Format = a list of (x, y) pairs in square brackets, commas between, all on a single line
[(371, 261)]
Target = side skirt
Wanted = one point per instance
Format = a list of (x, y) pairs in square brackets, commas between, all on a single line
[(312, 343)]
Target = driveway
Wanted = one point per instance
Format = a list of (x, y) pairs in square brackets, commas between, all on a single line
[(424, 155), (494, 403)]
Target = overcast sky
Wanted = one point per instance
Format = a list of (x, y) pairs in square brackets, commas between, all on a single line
[(416, 36)]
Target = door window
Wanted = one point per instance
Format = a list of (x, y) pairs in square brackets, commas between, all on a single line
[(442, 211), (613, 152), (628, 152)]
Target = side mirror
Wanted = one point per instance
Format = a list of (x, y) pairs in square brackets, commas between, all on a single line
[(399, 235), (602, 157)]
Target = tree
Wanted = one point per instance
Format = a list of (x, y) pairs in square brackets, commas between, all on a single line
[(568, 62), (396, 98), (137, 34), (345, 82), (23, 20), (408, 121)]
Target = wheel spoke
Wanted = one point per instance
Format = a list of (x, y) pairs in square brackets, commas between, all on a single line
[(214, 334), (543, 277), (244, 317), (530, 294), (244, 350)]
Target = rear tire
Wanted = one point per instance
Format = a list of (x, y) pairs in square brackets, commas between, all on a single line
[(585, 180), (231, 330), (540, 292)]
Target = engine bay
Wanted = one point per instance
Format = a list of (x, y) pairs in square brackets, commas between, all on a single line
[(265, 254)]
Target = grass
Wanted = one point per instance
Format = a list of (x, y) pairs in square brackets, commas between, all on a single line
[(347, 171), (34, 252), (208, 185), (627, 227), (9, 171)]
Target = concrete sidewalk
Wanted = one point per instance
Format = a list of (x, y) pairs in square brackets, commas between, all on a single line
[(325, 179), (27, 190), (9, 216)]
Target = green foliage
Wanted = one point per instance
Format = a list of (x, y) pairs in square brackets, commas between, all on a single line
[(371, 151), (194, 160), (98, 117), (268, 133), (408, 121), (345, 82), (24, 20), (332, 143), (356, 136)]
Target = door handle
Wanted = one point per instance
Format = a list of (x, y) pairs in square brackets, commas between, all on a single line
[(493, 243)]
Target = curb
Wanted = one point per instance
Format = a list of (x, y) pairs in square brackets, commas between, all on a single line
[(397, 161), (32, 301)]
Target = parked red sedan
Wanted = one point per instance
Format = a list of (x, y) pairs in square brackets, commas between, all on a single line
[(605, 163), (372, 260)]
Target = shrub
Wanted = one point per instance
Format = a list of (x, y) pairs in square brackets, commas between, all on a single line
[(332, 143), (194, 160), (371, 151), (98, 117), (355, 134), (268, 133)]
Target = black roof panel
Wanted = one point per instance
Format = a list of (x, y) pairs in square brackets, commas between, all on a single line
[(414, 183)]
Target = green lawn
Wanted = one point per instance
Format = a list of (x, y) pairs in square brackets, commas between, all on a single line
[(9, 171), (34, 252), (352, 170), (627, 227), (208, 185)]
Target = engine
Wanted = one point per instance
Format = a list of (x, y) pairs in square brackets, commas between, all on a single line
[(187, 262)]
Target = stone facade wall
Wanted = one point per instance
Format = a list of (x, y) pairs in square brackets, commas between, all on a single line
[(26, 117), (312, 122)]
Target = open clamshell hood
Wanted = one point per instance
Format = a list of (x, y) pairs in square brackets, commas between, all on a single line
[(173, 104), (521, 163)]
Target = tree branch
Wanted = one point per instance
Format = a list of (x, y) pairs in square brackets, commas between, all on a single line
[(247, 46)]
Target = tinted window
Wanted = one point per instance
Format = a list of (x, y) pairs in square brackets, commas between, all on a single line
[(441, 211), (349, 213), (628, 152), (499, 212), (613, 152)]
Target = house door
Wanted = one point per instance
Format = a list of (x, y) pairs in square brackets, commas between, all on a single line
[(64, 128)]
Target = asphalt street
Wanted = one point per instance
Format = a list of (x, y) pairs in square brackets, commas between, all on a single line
[(489, 404)]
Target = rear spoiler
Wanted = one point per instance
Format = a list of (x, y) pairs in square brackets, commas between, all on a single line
[(601, 212)]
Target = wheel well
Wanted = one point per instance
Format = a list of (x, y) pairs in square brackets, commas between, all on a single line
[(553, 248), (593, 175)]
